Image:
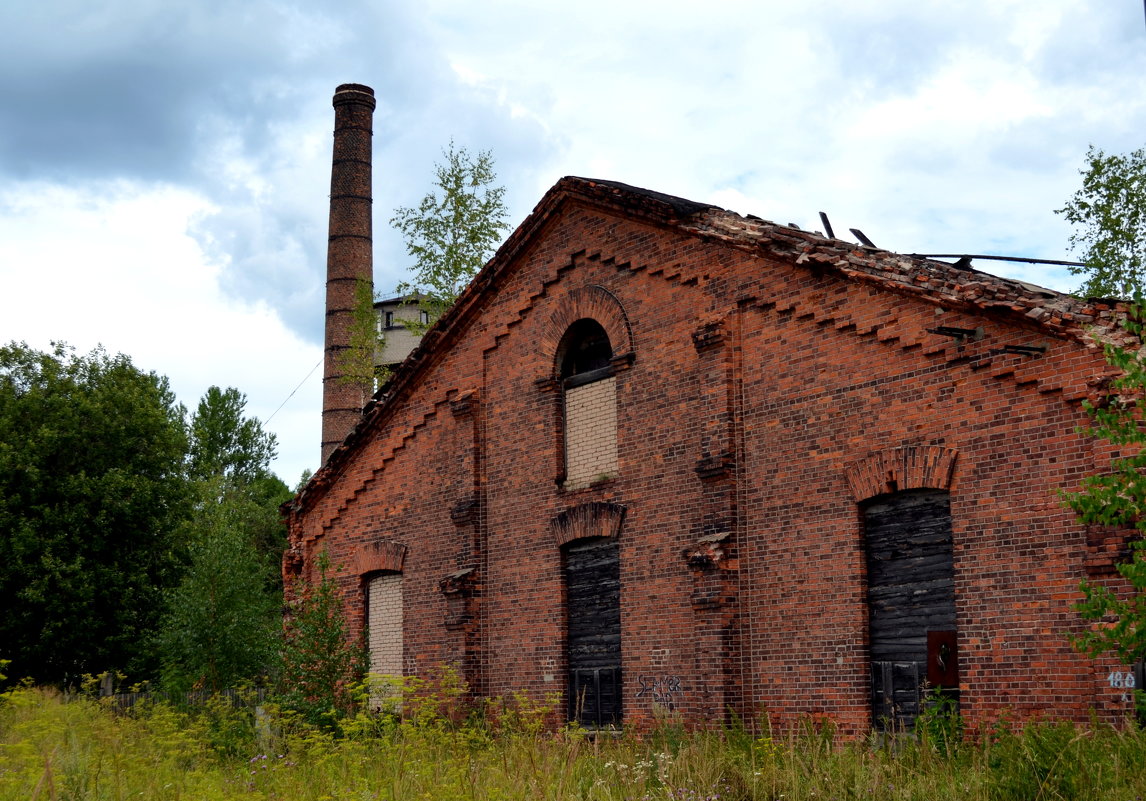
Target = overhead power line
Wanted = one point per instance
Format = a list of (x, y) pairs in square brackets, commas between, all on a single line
[(291, 395)]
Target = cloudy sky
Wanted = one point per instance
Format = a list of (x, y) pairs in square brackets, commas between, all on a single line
[(164, 166)]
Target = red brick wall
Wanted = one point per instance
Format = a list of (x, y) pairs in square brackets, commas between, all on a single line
[(753, 387)]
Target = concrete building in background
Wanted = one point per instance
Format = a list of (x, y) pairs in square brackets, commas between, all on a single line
[(398, 339), (663, 458)]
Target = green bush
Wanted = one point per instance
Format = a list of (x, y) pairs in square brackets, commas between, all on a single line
[(320, 666)]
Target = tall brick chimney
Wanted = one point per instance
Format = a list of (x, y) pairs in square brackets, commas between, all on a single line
[(349, 255)]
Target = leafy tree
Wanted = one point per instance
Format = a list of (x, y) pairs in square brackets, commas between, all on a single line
[(1118, 498), (303, 480), (454, 230), (263, 521), (92, 491), (226, 443), (222, 621), (319, 662), (1110, 208)]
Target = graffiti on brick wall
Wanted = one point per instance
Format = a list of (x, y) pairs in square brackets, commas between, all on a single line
[(663, 691), (1123, 681)]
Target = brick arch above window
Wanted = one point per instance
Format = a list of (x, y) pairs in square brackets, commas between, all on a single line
[(593, 303), (381, 556), (597, 519), (903, 468)]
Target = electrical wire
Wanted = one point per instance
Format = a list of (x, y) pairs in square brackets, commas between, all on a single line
[(291, 395)]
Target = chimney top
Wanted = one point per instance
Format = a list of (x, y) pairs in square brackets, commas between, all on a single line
[(354, 93)]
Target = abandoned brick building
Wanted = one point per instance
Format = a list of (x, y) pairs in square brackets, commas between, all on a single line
[(660, 456)]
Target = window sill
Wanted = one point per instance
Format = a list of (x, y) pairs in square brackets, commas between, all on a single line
[(603, 480)]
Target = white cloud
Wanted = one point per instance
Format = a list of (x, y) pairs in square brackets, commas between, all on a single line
[(932, 126), (115, 265)]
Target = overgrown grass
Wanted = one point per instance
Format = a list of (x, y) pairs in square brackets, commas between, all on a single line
[(79, 749)]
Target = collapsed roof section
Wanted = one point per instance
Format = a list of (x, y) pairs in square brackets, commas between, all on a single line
[(951, 286)]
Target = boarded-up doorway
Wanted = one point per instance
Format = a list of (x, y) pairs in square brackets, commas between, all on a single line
[(593, 609), (911, 604)]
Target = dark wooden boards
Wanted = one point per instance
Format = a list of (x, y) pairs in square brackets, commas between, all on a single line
[(593, 609), (911, 595)]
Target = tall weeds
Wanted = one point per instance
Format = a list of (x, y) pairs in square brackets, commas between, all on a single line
[(52, 747)]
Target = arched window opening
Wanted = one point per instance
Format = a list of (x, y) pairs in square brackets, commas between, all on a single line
[(911, 605), (590, 404), (585, 349)]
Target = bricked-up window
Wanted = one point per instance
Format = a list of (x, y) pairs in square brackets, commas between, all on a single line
[(384, 623), (590, 398)]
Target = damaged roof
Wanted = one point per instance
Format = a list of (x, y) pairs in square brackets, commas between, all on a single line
[(1086, 321), (963, 287)]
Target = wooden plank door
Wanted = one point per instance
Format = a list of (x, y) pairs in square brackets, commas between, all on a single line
[(911, 604), (593, 609)]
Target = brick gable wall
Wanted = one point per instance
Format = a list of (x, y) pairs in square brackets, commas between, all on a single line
[(755, 397)]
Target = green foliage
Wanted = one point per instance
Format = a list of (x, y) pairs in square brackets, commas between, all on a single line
[(1053, 760), (520, 714), (229, 725), (82, 749), (940, 725), (303, 480), (453, 231), (112, 501), (257, 508), (224, 442), (356, 363), (1126, 634), (320, 665), (229, 462), (1111, 210), (1118, 498), (222, 623), (92, 491)]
